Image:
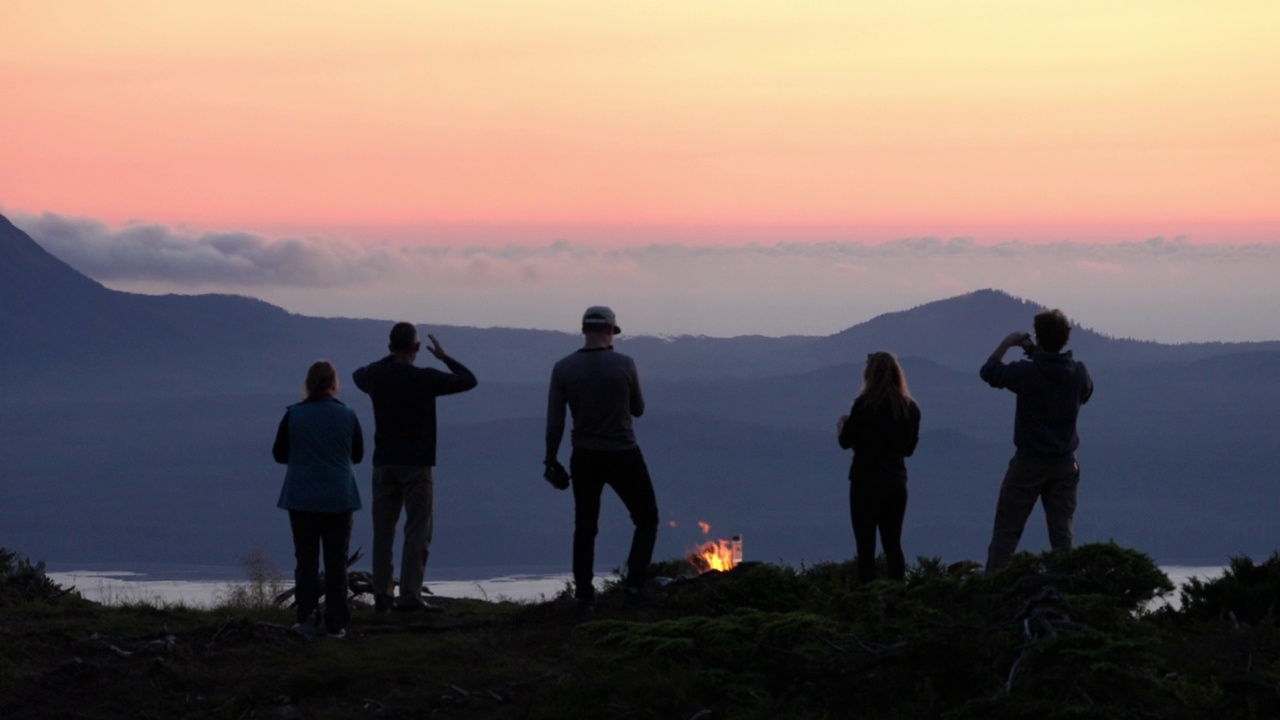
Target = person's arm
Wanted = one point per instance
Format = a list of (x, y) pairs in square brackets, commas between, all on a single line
[(994, 372), (637, 397), (556, 402), (357, 443), (280, 449), (913, 429), (458, 379), (849, 425), (1086, 390)]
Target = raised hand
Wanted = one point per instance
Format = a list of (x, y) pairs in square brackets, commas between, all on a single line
[(435, 348)]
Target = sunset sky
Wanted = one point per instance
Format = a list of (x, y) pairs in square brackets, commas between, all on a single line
[(713, 167)]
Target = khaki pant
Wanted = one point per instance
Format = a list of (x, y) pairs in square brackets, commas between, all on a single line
[(1054, 484), (396, 487)]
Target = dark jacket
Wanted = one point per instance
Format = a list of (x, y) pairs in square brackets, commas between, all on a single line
[(320, 440), (404, 407), (879, 440), (1051, 387)]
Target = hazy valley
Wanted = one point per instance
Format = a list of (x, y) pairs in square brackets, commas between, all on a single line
[(139, 428)]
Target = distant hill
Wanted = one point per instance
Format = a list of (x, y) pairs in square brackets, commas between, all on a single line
[(57, 320), (139, 428)]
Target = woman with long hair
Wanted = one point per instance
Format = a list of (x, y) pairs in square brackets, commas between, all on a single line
[(321, 441), (882, 428)]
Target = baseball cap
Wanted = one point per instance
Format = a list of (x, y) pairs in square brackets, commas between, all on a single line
[(601, 315)]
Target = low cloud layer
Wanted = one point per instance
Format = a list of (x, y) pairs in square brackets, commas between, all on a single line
[(1171, 289), (149, 252)]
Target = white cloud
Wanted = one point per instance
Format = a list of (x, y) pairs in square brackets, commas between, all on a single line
[(1099, 267)]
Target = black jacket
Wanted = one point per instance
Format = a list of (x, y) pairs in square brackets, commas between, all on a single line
[(879, 440)]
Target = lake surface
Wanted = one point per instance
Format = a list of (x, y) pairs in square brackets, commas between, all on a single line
[(203, 586)]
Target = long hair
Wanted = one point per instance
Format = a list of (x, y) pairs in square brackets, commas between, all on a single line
[(884, 385), (321, 378)]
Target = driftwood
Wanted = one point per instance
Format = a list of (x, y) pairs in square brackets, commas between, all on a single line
[(358, 583), (1041, 617)]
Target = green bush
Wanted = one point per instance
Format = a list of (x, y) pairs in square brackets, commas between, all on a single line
[(1247, 591), (22, 582), (264, 584)]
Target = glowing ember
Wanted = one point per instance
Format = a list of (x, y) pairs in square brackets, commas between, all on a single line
[(716, 554)]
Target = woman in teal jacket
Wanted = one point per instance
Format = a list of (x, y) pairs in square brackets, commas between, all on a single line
[(321, 441)]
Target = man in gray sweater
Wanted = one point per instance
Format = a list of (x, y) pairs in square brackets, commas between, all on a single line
[(601, 388)]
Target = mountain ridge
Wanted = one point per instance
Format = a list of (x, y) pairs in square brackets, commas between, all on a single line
[(57, 318)]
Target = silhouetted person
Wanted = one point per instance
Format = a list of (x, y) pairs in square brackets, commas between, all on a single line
[(1051, 386), (404, 455), (602, 391), (321, 441), (882, 427)]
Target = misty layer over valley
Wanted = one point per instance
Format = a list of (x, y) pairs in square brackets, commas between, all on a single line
[(138, 429)]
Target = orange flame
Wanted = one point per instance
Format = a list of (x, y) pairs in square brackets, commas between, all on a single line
[(713, 555)]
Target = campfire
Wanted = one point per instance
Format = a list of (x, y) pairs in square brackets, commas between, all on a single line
[(719, 555)]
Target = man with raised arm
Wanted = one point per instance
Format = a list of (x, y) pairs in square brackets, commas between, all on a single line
[(601, 389), (1051, 386), (404, 455)]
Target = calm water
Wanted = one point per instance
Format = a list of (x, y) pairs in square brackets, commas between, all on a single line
[(202, 586)]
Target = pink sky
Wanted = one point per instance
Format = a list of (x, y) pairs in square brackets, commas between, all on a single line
[(630, 122), (711, 167)]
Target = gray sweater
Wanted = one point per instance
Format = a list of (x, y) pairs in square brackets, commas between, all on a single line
[(602, 390)]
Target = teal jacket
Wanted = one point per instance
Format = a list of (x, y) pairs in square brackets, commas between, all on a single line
[(321, 441)]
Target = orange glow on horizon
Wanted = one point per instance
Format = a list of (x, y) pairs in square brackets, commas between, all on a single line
[(927, 118)]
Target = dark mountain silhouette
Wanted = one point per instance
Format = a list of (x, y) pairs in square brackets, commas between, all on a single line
[(33, 281), (139, 429)]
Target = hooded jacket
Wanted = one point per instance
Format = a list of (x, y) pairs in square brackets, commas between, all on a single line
[(1050, 387)]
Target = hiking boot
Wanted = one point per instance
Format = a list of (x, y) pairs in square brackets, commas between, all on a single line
[(339, 634), (418, 607), (382, 603)]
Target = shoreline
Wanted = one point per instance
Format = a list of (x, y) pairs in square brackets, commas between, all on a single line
[(168, 585)]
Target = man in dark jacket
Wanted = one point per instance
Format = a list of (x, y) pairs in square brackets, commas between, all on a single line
[(1051, 387), (601, 388), (404, 454)]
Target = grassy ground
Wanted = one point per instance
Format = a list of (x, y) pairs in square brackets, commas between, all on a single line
[(1053, 636)]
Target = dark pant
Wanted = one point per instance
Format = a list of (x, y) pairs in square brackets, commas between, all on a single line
[(310, 530), (878, 502), (625, 472), (1054, 483)]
